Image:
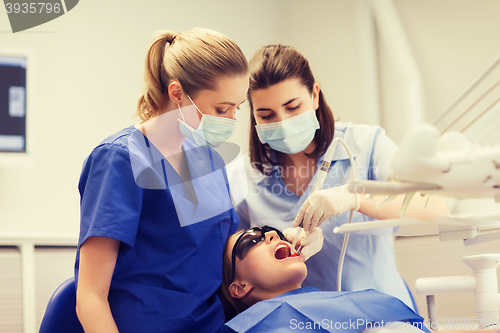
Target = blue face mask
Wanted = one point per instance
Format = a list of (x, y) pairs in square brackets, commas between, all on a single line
[(212, 130), (290, 136)]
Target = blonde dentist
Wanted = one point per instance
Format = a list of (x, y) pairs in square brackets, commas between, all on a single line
[(155, 209)]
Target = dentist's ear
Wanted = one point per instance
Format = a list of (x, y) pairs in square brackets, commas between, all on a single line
[(175, 92), (239, 289), (316, 90)]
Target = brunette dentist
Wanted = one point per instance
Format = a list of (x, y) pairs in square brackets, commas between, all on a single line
[(291, 129)]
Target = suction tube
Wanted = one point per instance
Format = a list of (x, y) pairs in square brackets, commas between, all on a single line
[(318, 184)]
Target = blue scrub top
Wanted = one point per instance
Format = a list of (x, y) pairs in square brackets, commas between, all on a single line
[(369, 261), (321, 311), (169, 266)]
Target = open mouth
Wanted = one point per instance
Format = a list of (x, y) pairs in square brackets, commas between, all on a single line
[(282, 251)]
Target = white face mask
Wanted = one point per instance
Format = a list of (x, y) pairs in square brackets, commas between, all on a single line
[(290, 136), (212, 130)]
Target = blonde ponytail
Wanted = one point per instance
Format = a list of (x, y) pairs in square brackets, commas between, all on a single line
[(196, 59), (153, 98)]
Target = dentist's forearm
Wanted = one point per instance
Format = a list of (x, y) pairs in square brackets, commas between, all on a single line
[(95, 315), (419, 207)]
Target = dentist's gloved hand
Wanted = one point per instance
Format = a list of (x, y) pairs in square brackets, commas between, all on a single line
[(324, 204), (311, 242)]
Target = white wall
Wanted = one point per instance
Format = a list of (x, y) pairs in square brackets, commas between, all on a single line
[(453, 41), (327, 33)]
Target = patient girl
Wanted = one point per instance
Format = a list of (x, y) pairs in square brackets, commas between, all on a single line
[(258, 266)]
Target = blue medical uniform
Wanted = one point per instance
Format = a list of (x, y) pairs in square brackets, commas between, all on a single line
[(169, 264), (369, 261), (309, 309)]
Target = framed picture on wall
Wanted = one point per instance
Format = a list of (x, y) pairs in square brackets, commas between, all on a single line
[(13, 103)]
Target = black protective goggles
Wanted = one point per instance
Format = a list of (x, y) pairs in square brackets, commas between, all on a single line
[(247, 240)]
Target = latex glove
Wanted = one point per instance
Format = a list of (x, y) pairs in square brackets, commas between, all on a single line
[(311, 242), (324, 204)]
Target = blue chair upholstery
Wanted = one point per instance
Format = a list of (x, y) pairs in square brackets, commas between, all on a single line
[(60, 314)]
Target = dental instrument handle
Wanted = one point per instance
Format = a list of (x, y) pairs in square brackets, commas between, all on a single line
[(297, 234), (318, 182)]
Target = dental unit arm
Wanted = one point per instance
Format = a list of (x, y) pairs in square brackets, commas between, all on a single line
[(484, 284), (317, 185)]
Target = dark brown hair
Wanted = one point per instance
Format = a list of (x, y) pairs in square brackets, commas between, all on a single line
[(195, 58), (232, 306), (271, 65)]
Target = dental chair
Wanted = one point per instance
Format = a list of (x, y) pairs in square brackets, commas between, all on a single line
[(60, 314)]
